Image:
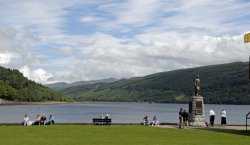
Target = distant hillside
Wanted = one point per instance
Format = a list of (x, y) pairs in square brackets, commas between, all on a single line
[(15, 87), (62, 85), (220, 84), (57, 86)]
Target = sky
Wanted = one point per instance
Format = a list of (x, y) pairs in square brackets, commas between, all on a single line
[(73, 40)]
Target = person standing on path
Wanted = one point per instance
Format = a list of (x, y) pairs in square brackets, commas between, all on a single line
[(223, 117), (185, 118), (212, 117), (180, 118)]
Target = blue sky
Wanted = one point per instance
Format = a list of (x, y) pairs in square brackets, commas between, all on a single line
[(61, 40)]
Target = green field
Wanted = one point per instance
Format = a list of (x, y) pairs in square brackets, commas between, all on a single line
[(117, 135)]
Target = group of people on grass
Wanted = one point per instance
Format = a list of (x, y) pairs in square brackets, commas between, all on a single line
[(183, 119), (154, 121), (184, 115), (39, 120)]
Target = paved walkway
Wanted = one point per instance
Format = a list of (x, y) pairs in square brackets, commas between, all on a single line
[(216, 127)]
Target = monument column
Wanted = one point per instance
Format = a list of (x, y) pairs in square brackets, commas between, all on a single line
[(196, 106)]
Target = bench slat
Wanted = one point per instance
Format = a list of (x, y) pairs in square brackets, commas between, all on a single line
[(100, 121)]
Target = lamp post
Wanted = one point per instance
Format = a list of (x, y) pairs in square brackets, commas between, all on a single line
[(247, 40)]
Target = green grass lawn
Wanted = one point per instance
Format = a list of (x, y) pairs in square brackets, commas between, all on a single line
[(116, 135)]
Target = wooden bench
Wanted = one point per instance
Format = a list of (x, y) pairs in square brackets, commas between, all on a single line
[(100, 121)]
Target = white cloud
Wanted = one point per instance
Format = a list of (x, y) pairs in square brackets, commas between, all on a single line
[(7, 35), (38, 75), (41, 16), (102, 56), (126, 15), (5, 58), (189, 49), (137, 12), (66, 50), (41, 75), (124, 39), (217, 16), (90, 19), (25, 70)]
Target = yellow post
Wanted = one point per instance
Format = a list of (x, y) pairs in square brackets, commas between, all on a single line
[(247, 38)]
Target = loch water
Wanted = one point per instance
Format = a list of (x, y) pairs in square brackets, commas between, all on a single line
[(119, 112)]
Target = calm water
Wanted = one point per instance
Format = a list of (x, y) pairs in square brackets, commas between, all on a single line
[(119, 112)]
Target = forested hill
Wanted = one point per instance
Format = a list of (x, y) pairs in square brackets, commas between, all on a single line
[(220, 84), (15, 87), (62, 85)]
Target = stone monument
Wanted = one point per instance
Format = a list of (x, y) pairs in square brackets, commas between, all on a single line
[(196, 106)]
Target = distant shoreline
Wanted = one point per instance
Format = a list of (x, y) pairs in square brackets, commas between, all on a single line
[(43, 103), (6, 102)]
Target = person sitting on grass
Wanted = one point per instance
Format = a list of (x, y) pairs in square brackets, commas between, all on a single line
[(26, 120), (155, 121), (145, 120), (51, 120), (37, 120), (43, 120)]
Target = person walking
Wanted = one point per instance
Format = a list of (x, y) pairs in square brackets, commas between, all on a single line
[(212, 117), (223, 117)]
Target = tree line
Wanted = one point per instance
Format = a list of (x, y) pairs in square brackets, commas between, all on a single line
[(220, 84), (15, 87)]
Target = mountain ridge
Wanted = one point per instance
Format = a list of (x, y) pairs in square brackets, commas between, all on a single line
[(58, 86), (220, 84)]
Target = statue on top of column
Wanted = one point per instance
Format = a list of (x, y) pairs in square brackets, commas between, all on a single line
[(197, 83)]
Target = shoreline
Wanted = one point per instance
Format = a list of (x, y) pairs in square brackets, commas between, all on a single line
[(6, 102)]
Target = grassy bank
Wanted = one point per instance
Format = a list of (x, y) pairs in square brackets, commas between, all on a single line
[(116, 135)]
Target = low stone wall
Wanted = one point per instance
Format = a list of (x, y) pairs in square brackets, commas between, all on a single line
[(3, 102)]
